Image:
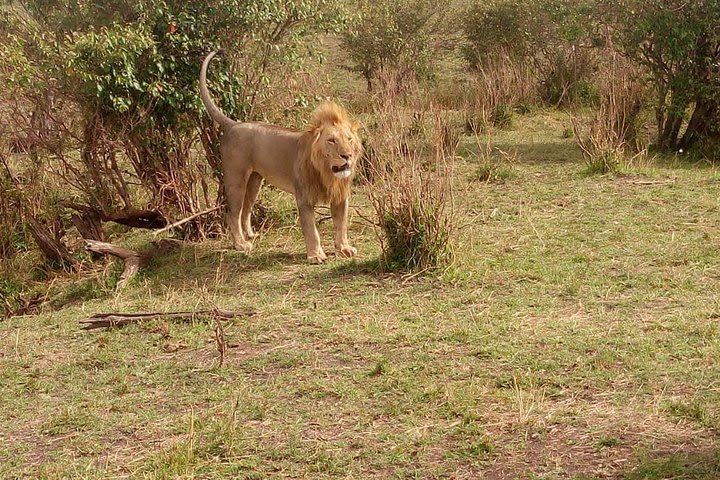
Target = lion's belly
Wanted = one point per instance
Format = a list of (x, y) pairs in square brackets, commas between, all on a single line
[(279, 181)]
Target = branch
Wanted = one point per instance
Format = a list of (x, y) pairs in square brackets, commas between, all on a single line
[(132, 259), (113, 320), (185, 220)]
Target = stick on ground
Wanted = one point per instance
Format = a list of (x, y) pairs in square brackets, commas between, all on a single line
[(113, 320)]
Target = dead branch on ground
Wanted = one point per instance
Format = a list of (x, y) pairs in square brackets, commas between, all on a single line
[(132, 259), (113, 320)]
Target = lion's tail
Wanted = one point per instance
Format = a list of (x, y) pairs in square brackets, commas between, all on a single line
[(214, 112)]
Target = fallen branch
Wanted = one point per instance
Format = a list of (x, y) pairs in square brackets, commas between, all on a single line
[(113, 320), (185, 220), (651, 182), (132, 259)]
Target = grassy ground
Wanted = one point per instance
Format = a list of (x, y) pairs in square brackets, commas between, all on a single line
[(576, 338)]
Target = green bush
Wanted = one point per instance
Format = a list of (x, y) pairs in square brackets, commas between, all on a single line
[(416, 237), (502, 116), (401, 35), (678, 42), (125, 75)]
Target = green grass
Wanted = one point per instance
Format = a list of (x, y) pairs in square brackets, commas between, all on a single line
[(576, 337)]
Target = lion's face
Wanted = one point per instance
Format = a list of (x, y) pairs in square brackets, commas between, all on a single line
[(338, 148)]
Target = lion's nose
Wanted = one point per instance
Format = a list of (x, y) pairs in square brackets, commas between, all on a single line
[(345, 156)]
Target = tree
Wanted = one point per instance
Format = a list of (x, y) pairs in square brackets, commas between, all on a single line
[(679, 42)]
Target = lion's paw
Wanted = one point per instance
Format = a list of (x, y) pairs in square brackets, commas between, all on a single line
[(317, 258), (243, 246), (346, 251)]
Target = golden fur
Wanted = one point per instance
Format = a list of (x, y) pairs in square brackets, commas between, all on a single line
[(327, 116), (316, 165)]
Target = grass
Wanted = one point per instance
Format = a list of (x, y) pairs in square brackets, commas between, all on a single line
[(576, 338)]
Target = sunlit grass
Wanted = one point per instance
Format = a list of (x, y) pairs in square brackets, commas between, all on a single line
[(576, 337)]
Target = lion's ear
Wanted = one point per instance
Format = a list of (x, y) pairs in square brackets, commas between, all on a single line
[(315, 132)]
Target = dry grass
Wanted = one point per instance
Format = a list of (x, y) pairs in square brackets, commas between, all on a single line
[(411, 186), (498, 88), (609, 138)]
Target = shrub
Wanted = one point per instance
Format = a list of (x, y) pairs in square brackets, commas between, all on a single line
[(494, 165), (551, 37), (118, 82), (496, 90), (502, 115), (678, 42), (403, 35)]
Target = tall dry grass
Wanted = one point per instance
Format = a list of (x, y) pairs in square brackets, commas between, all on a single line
[(608, 137), (411, 189), (498, 88)]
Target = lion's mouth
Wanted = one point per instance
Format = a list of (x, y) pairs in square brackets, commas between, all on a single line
[(342, 171), (342, 168)]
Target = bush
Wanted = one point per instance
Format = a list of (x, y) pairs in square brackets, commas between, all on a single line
[(118, 82), (496, 90), (678, 42), (551, 37), (402, 35), (502, 115), (494, 165), (567, 79)]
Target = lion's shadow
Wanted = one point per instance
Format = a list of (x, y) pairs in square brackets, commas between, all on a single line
[(188, 265)]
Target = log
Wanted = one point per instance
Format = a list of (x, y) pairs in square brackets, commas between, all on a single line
[(113, 320), (149, 219)]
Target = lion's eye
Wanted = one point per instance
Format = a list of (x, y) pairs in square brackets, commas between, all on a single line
[(332, 140)]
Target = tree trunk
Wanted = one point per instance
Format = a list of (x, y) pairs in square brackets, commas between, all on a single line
[(668, 135), (89, 225), (54, 250), (699, 124)]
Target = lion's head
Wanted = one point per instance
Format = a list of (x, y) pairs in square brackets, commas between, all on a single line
[(336, 146)]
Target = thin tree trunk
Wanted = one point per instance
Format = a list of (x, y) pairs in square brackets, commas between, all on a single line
[(89, 225), (54, 250), (671, 129)]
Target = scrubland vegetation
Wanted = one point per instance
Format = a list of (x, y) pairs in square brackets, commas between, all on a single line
[(536, 212)]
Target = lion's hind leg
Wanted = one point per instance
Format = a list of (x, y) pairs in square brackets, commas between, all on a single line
[(251, 193), (235, 190)]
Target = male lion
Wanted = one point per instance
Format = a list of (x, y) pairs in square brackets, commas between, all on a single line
[(316, 165)]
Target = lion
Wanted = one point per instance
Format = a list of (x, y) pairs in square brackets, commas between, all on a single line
[(315, 165)]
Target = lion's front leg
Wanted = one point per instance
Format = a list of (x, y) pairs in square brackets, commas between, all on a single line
[(314, 250), (339, 212)]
